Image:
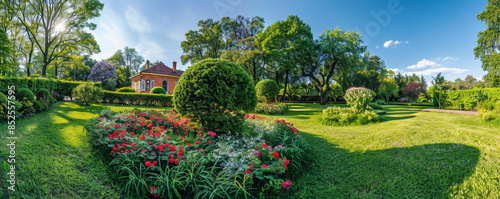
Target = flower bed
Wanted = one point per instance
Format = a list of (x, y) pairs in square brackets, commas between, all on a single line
[(271, 109), (159, 154)]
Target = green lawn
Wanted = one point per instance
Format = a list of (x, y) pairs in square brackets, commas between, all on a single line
[(409, 154)]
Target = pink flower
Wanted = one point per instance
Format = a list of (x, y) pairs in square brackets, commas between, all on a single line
[(287, 184), (257, 153), (265, 166)]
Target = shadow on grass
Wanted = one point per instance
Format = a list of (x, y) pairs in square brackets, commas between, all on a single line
[(424, 171)]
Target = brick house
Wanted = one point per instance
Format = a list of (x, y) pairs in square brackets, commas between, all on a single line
[(158, 75)]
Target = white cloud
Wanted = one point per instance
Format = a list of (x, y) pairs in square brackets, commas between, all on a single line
[(396, 70), (151, 50), (390, 43), (434, 71), (111, 34), (450, 58), (424, 63), (136, 21)]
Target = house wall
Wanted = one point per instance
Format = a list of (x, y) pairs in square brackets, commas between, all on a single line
[(158, 82)]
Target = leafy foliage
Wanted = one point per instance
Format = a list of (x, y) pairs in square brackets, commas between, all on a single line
[(126, 90), (43, 93), (87, 92), (102, 71), (414, 89), (339, 116), (473, 99), (267, 90), (158, 90), (215, 92), (358, 99), (488, 43), (25, 94)]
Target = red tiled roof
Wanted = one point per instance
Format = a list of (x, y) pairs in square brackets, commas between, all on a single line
[(160, 68)]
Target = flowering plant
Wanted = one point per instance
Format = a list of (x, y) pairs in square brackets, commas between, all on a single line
[(358, 98), (153, 149), (403, 99)]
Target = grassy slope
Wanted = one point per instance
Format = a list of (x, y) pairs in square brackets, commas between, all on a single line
[(55, 158), (412, 154)]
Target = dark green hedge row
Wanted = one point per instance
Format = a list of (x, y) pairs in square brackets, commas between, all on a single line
[(473, 99), (60, 87), (411, 104), (137, 98)]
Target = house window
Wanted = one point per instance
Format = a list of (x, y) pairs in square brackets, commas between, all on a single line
[(147, 85), (143, 84), (152, 84), (164, 84)]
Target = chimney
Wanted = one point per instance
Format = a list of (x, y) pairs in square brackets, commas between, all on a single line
[(174, 66), (147, 64)]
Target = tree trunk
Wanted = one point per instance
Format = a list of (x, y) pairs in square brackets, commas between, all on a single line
[(286, 83), (324, 98)]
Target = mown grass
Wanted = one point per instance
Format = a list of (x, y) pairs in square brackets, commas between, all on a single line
[(410, 154)]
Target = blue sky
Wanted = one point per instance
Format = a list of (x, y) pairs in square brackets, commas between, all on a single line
[(412, 36)]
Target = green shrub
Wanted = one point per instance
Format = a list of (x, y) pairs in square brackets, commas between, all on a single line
[(126, 90), (87, 92), (25, 93), (3, 98), (59, 87), (215, 92), (422, 98), (43, 94), (381, 102), (271, 109), (27, 108), (158, 90), (473, 99), (267, 90), (376, 106), (3, 107), (338, 116), (37, 105), (137, 98), (358, 98)]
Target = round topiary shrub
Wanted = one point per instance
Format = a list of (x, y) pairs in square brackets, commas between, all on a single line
[(158, 90), (25, 93), (126, 90), (266, 90), (43, 94), (87, 92), (215, 93)]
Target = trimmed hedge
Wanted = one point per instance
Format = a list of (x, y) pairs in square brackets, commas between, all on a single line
[(473, 99), (62, 87), (267, 90), (25, 93), (137, 98)]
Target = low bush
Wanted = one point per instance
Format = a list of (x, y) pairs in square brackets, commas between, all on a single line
[(376, 106), (144, 99), (38, 106), (87, 92), (489, 115), (158, 90), (267, 90), (25, 93), (473, 99), (43, 94), (381, 102), (126, 90), (358, 98), (338, 116), (160, 154), (271, 109)]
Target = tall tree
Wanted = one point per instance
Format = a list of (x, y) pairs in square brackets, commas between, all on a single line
[(284, 42), (470, 82), (128, 58), (388, 88), (336, 51), (63, 25), (488, 42)]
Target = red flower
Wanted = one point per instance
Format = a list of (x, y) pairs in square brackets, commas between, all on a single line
[(176, 161), (209, 142), (185, 140), (265, 166), (286, 162), (287, 184), (247, 171), (150, 125), (171, 160), (276, 154), (172, 148), (154, 162), (264, 145), (149, 143), (142, 137), (147, 163)]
